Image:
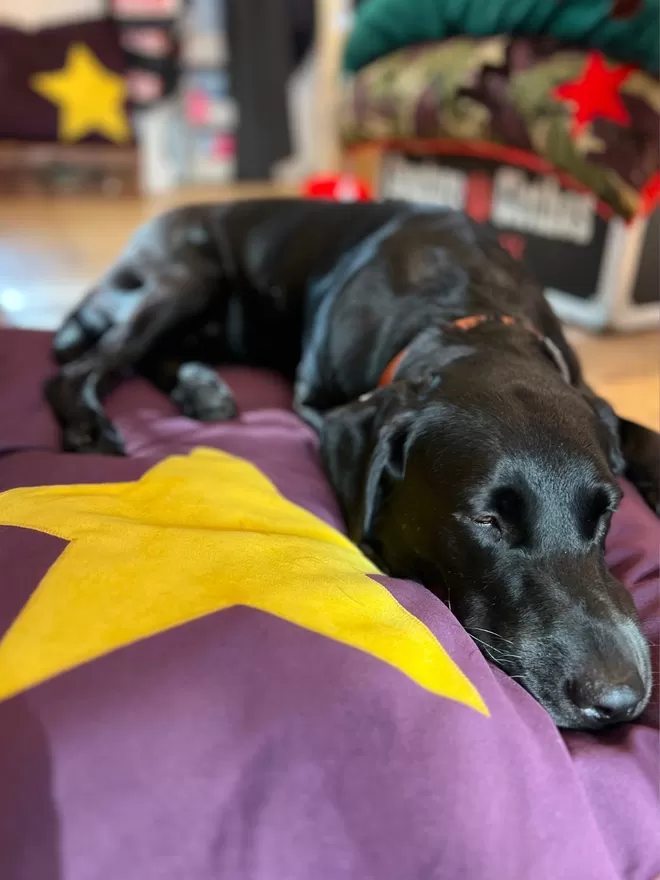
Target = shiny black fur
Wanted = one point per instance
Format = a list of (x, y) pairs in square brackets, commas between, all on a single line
[(481, 471)]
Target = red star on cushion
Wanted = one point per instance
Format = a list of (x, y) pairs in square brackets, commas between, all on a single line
[(650, 194), (596, 93)]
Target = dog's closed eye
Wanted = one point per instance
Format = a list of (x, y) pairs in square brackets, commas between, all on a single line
[(504, 514), (488, 519)]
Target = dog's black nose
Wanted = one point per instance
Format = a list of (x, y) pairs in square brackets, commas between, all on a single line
[(616, 703), (603, 703)]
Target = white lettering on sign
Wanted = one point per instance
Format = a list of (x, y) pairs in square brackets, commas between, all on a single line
[(538, 206), (542, 207), (424, 182)]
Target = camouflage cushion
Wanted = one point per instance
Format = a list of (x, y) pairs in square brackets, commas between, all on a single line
[(624, 29), (518, 93)]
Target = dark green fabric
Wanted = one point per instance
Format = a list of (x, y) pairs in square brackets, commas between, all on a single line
[(626, 30)]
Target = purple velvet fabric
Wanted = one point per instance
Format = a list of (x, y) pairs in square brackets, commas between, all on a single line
[(242, 747)]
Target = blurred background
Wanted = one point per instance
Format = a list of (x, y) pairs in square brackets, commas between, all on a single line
[(545, 126)]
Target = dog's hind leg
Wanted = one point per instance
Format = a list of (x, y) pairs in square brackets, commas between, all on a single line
[(176, 295), (109, 302), (74, 337)]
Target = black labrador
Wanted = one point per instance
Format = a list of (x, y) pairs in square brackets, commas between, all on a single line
[(455, 425)]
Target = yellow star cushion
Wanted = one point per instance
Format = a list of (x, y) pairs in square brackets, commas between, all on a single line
[(90, 97), (197, 534)]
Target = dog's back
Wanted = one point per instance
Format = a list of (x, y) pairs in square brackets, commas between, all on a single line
[(271, 248)]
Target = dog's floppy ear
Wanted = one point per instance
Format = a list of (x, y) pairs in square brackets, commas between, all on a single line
[(364, 448), (610, 426)]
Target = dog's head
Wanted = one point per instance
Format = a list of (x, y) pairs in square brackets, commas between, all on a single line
[(499, 501)]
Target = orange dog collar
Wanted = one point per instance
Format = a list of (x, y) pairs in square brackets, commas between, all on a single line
[(469, 323)]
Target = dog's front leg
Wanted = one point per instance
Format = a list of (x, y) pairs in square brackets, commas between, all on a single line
[(196, 389)]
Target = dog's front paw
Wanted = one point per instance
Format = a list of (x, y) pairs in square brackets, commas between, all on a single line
[(94, 438), (202, 395)]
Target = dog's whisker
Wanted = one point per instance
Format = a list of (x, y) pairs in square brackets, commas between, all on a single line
[(500, 656), (490, 632), (490, 647)]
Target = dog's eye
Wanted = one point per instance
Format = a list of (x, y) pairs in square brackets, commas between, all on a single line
[(487, 519)]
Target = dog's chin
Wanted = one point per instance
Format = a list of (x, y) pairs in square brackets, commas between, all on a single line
[(567, 718), (562, 713)]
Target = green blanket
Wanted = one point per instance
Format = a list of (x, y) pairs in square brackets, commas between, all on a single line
[(626, 30)]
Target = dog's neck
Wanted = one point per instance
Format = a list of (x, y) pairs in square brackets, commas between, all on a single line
[(425, 356)]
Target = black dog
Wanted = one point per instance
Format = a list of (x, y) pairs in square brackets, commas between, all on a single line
[(482, 465)]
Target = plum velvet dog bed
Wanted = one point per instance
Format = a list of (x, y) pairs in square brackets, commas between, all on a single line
[(200, 677)]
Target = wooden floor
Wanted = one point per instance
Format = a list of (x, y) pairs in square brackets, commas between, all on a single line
[(50, 250)]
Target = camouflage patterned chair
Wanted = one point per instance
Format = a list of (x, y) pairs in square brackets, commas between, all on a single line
[(556, 146)]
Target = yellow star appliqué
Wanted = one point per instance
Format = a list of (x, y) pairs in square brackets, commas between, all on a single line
[(91, 98), (195, 535)]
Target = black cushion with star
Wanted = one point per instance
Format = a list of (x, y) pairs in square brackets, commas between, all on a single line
[(37, 107)]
